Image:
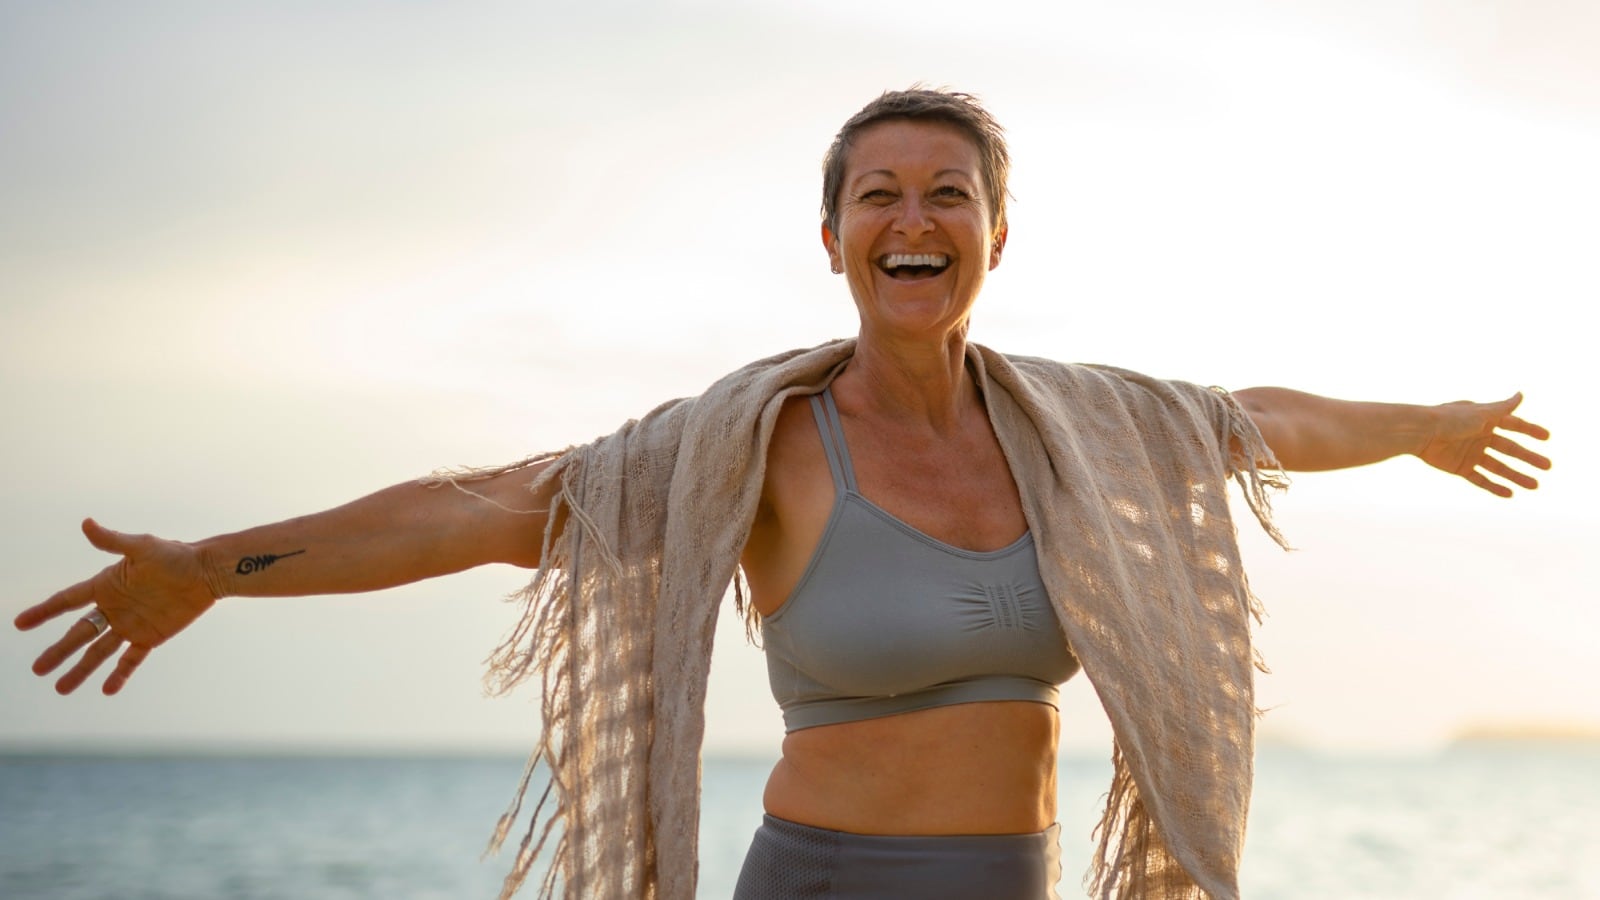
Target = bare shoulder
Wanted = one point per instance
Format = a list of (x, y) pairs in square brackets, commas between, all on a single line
[(796, 466), (796, 497), (795, 442)]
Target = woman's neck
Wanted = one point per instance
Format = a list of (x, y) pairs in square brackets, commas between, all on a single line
[(925, 382)]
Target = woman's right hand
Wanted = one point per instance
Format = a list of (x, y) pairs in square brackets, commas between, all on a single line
[(149, 595), (398, 535)]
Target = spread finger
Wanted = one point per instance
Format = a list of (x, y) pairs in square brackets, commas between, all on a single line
[(98, 652), (1523, 426), (1482, 480), (126, 665), (1502, 444), (80, 634), (75, 597), (1496, 467)]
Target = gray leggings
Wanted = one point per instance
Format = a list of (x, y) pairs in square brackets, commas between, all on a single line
[(790, 861)]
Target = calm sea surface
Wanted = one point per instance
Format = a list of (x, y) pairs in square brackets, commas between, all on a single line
[(1486, 822)]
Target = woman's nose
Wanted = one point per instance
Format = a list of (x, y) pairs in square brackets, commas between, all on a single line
[(913, 219)]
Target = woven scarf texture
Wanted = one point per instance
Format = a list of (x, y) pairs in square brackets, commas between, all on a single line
[(1124, 486)]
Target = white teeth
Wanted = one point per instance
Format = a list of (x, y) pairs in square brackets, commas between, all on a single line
[(896, 260)]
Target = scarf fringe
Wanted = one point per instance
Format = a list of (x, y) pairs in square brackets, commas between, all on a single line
[(1258, 476), (540, 643), (1131, 862), (1256, 471)]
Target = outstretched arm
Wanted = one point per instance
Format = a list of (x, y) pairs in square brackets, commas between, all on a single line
[(398, 535), (1309, 433)]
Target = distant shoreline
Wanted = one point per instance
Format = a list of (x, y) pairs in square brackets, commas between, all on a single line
[(219, 750), (1562, 735), (65, 751)]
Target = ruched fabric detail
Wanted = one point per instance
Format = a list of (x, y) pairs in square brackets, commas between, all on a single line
[(887, 619)]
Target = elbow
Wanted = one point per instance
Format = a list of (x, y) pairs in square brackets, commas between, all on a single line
[(1256, 402), (1265, 413)]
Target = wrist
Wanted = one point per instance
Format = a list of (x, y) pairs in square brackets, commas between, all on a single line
[(215, 573), (1420, 426)]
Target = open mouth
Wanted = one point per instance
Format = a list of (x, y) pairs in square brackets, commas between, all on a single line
[(913, 266)]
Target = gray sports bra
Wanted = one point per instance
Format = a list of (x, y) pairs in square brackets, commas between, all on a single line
[(888, 620)]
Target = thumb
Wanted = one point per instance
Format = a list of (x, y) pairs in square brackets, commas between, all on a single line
[(105, 539)]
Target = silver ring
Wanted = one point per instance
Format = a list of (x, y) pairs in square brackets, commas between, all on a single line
[(98, 620)]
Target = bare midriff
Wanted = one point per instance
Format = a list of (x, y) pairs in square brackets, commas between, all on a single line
[(972, 768)]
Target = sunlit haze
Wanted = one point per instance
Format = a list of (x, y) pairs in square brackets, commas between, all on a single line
[(258, 262)]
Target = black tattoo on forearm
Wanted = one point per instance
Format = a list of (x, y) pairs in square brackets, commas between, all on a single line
[(248, 564)]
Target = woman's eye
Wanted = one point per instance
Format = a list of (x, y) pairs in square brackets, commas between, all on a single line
[(950, 193), (877, 195)]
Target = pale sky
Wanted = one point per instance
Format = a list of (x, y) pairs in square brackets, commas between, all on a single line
[(257, 263)]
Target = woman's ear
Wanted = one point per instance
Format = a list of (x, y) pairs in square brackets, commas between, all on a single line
[(831, 243), (998, 247)]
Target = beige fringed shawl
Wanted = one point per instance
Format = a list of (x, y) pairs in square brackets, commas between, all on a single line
[(1123, 481)]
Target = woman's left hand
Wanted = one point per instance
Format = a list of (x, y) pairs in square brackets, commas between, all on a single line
[(1464, 432)]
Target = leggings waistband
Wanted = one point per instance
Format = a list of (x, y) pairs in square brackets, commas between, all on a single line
[(793, 861)]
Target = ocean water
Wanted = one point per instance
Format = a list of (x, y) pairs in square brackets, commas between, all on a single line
[(1486, 822)]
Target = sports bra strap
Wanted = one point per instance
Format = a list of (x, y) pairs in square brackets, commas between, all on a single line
[(828, 425)]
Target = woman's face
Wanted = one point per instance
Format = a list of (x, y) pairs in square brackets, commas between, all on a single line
[(914, 237)]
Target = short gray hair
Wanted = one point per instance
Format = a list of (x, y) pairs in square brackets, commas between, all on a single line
[(920, 104)]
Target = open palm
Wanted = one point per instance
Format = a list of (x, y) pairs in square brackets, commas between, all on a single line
[(154, 591), (1466, 433)]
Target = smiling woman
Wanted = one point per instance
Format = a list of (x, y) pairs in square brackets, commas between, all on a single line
[(915, 233), (915, 189), (934, 536)]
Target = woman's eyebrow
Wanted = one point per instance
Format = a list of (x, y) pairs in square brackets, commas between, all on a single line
[(939, 174), (868, 174)]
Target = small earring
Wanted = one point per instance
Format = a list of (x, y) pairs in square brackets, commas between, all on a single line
[(837, 269)]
